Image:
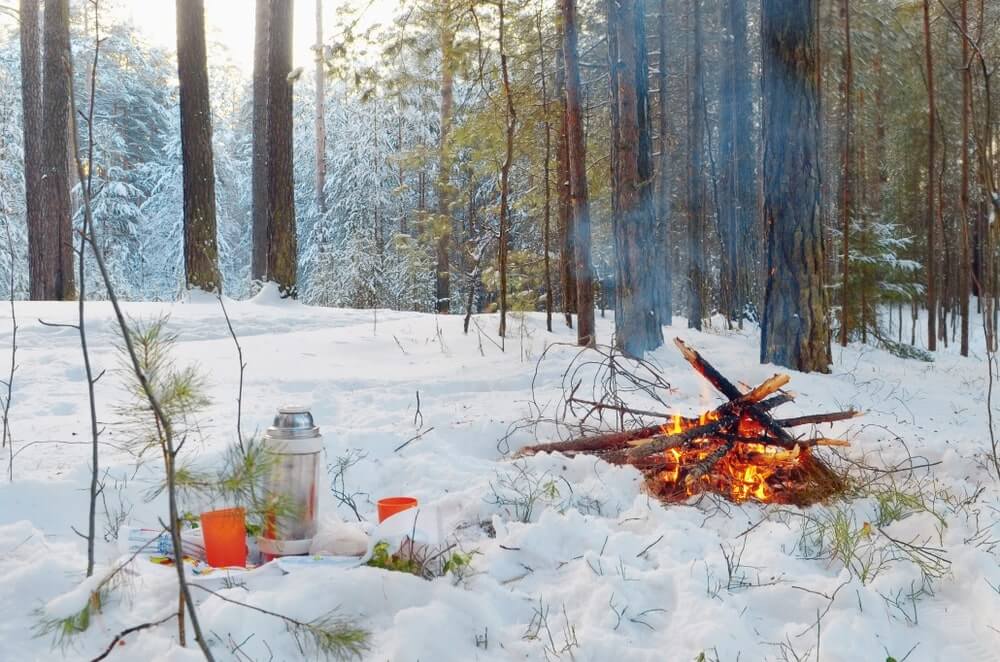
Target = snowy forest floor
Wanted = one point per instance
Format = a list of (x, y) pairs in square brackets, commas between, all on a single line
[(599, 572)]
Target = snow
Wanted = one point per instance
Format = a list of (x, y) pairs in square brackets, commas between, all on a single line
[(599, 570)]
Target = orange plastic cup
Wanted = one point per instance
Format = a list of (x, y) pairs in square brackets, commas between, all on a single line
[(225, 537), (389, 506)]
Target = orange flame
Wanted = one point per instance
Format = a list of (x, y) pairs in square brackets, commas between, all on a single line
[(747, 471)]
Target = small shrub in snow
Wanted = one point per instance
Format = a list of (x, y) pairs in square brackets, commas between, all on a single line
[(520, 491), (424, 562)]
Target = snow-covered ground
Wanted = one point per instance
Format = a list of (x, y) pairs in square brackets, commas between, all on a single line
[(585, 579)]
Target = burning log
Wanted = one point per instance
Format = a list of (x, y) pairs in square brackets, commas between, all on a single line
[(738, 449), (621, 440), (728, 389), (705, 467), (663, 442)]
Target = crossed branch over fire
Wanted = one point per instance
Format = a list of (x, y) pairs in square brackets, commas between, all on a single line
[(738, 449)]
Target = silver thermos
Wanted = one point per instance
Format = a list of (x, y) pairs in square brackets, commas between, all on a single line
[(292, 484)]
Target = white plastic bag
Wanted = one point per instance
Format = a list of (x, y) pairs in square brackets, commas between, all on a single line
[(336, 538)]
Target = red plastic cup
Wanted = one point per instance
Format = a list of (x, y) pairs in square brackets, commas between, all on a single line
[(225, 537), (389, 506)]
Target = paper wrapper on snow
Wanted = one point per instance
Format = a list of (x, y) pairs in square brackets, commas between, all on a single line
[(135, 540), (335, 538)]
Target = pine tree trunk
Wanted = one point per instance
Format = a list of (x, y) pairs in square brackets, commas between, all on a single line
[(663, 236), (794, 328), (747, 205), (320, 117), (55, 245), (965, 277), (651, 258), (201, 253), (442, 229), (31, 112), (577, 167), (846, 174), (931, 185), (275, 243), (282, 263), (637, 323), (738, 197), (565, 214), (546, 175), (511, 120), (259, 170), (696, 178)]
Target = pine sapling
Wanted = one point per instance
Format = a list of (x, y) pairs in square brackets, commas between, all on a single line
[(164, 425)]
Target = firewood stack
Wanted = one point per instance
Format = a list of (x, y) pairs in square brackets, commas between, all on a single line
[(738, 449)]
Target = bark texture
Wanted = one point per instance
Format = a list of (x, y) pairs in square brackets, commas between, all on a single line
[(738, 194), (565, 214), (511, 121), (31, 111), (320, 116), (55, 278), (259, 219), (794, 328), (697, 187), (274, 238), (547, 178), (846, 174), (637, 321), (666, 294), (201, 251), (577, 166), (965, 275), (931, 185), (442, 226)]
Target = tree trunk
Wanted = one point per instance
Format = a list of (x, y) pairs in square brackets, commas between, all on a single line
[(577, 162), (738, 234), (565, 215), (794, 328), (965, 277), (56, 226), (275, 244), (546, 174), (259, 170), (31, 111), (747, 204), (696, 178), (637, 322), (201, 253), (846, 173), (931, 185), (663, 235), (442, 228), (652, 275), (320, 118), (511, 118)]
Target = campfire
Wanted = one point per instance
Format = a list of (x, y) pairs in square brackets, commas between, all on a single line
[(737, 450)]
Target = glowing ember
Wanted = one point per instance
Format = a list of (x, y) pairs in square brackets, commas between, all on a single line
[(745, 471)]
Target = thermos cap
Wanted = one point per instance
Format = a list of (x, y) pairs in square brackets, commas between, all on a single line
[(293, 422)]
